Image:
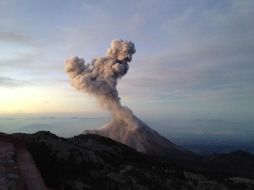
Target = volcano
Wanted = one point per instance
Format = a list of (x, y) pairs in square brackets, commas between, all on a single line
[(99, 78), (142, 138)]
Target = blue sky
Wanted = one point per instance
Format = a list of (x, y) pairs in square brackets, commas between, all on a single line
[(194, 59)]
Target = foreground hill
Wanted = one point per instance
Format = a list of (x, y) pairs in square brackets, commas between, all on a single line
[(95, 162)]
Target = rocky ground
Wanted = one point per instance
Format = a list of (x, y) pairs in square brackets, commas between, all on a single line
[(94, 162), (98, 163)]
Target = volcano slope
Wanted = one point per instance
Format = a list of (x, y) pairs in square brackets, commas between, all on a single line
[(143, 139)]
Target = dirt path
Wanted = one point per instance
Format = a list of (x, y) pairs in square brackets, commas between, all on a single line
[(10, 177), (28, 171)]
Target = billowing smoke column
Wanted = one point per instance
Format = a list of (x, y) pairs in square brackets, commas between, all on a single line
[(100, 78)]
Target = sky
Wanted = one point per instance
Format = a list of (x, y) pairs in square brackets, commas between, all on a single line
[(194, 58)]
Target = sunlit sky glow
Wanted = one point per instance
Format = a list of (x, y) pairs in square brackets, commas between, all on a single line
[(194, 59)]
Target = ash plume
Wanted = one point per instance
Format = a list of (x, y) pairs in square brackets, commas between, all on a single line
[(99, 78)]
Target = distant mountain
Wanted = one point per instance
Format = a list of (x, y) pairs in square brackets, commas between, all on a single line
[(207, 148), (32, 128), (238, 163), (143, 139)]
